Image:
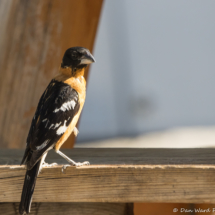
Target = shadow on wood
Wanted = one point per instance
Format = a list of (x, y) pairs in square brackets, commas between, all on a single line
[(71, 208)]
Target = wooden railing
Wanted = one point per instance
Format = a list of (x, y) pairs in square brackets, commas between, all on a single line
[(114, 178)]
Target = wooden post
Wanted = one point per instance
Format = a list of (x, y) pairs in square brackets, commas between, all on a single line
[(34, 36)]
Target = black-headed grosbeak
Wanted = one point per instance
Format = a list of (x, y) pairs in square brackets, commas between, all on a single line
[(55, 119)]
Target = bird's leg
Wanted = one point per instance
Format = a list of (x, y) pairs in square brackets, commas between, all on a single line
[(44, 164), (73, 163)]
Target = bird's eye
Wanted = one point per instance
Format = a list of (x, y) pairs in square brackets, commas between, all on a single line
[(74, 55)]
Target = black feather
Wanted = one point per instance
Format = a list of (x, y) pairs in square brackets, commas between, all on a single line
[(44, 134), (28, 189), (56, 94)]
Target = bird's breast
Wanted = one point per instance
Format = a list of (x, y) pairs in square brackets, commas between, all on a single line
[(80, 87)]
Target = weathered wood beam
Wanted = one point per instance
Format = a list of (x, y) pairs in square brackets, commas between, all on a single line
[(118, 175), (70, 208)]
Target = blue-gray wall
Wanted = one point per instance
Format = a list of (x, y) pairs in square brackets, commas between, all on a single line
[(155, 68)]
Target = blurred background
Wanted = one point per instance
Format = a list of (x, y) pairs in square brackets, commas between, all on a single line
[(154, 76), (153, 81), (152, 84)]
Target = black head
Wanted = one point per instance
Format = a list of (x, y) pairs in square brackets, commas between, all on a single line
[(77, 58)]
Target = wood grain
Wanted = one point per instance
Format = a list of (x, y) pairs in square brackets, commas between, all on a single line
[(34, 37), (70, 208), (118, 175)]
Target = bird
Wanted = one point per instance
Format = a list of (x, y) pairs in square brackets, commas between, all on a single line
[(55, 118)]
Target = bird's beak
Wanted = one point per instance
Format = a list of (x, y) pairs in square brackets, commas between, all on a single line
[(87, 59)]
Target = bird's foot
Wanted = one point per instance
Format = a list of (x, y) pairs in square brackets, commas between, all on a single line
[(85, 163), (64, 167), (49, 165)]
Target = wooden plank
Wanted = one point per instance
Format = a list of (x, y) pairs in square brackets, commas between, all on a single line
[(34, 37), (122, 156), (118, 175), (70, 208)]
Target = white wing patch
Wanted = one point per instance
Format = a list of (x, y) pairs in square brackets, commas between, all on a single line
[(62, 128), (75, 130), (43, 145), (57, 125), (66, 106), (51, 126)]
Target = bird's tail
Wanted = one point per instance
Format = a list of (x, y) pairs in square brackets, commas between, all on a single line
[(28, 188)]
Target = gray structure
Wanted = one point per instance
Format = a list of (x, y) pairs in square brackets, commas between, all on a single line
[(155, 68)]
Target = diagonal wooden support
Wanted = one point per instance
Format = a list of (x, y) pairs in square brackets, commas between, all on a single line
[(34, 37)]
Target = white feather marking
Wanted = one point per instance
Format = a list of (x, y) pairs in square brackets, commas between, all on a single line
[(61, 129), (75, 130), (44, 120), (42, 145), (63, 107), (57, 125), (46, 123), (66, 106), (73, 103), (30, 205), (51, 126)]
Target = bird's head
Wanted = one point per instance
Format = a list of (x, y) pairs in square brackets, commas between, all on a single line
[(77, 58)]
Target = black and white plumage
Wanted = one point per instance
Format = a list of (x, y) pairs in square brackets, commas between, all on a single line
[(56, 116), (56, 109)]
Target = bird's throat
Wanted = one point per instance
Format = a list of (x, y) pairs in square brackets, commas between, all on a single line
[(76, 73)]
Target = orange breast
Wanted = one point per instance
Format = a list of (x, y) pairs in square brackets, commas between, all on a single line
[(79, 84)]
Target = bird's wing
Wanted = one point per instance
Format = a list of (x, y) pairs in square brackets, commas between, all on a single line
[(56, 109)]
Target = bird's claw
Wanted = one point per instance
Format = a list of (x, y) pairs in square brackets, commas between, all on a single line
[(85, 163), (64, 167), (49, 165), (78, 164)]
